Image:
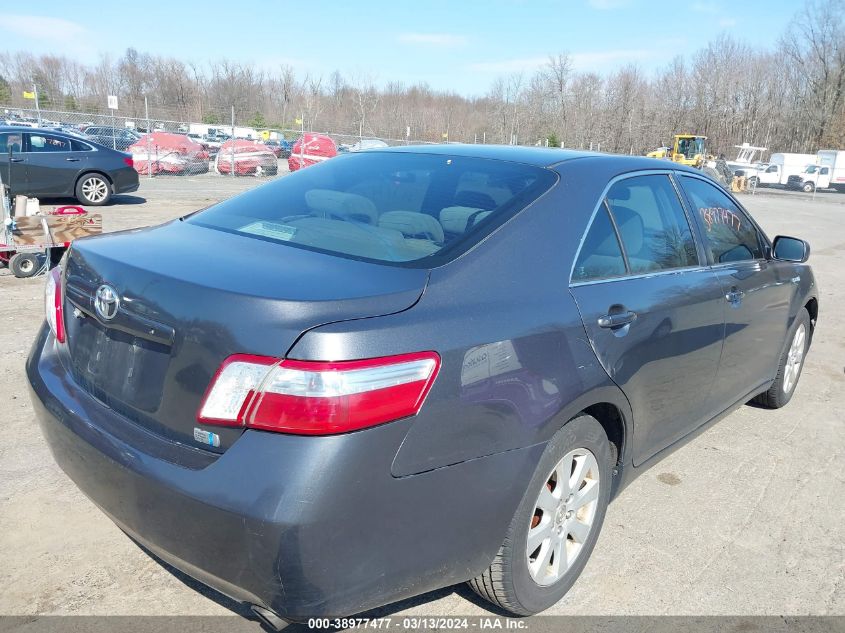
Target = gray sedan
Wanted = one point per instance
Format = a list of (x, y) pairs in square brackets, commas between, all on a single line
[(411, 367), (52, 164)]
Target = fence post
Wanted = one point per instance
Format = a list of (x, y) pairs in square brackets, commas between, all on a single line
[(233, 142)]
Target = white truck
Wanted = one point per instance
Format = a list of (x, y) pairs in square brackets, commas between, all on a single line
[(828, 172), (780, 167), (204, 129)]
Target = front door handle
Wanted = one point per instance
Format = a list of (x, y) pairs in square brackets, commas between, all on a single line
[(72, 160), (17, 160), (617, 319)]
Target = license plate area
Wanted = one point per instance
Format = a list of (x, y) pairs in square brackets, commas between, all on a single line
[(117, 367)]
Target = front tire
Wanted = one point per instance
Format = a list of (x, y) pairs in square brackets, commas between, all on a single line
[(808, 187), (791, 364), (556, 525), (93, 190)]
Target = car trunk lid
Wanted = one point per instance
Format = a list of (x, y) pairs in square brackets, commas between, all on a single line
[(190, 296)]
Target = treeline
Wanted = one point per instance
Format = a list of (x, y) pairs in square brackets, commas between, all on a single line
[(788, 98)]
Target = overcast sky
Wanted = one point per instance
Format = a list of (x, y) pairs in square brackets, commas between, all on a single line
[(458, 45)]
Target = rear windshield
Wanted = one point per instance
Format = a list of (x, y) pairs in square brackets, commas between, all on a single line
[(401, 208)]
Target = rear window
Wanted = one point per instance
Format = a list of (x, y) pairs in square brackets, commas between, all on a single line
[(407, 209)]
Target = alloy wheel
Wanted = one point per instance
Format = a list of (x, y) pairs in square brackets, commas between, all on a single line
[(95, 189), (794, 359), (563, 516)]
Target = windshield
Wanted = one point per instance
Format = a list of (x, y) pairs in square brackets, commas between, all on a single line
[(386, 207), (690, 147)]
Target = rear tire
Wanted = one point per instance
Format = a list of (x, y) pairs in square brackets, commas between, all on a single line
[(791, 364), (94, 190), (524, 582), (24, 265)]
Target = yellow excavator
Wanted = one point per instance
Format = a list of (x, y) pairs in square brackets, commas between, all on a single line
[(688, 149)]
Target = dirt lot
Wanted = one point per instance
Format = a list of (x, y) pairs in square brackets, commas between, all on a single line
[(747, 519)]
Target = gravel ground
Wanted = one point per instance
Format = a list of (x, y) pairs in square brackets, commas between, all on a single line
[(745, 520)]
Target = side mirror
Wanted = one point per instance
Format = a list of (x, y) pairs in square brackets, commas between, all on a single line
[(791, 249)]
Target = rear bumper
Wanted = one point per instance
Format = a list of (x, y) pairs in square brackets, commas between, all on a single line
[(304, 526), (125, 180)]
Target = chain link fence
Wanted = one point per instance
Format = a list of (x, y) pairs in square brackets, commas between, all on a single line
[(77, 122), (156, 155)]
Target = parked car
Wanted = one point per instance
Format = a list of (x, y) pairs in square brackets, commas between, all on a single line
[(169, 153), (51, 164), (246, 157), (281, 148), (116, 138), (411, 367), (310, 149)]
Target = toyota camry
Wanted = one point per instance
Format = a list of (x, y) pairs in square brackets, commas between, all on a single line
[(412, 367)]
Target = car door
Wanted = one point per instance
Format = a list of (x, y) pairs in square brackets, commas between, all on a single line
[(652, 309), (823, 181), (51, 164), (13, 165), (756, 290)]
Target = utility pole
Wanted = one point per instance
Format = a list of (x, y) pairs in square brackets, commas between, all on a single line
[(149, 139), (37, 107)]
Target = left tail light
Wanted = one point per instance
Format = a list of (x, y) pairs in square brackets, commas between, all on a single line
[(317, 398), (53, 304), (130, 162)]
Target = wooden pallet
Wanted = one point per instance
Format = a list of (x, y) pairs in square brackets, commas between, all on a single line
[(61, 229)]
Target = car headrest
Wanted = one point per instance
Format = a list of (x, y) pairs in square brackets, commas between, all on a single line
[(476, 199), (459, 219), (347, 205), (412, 224)]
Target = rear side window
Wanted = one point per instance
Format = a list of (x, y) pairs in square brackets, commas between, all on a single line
[(652, 224), (80, 146), (387, 207), (48, 143), (600, 256), (730, 235)]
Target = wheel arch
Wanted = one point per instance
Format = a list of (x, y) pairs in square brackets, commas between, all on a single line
[(609, 406), (89, 172), (812, 306)]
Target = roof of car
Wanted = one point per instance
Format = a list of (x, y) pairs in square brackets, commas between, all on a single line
[(26, 128), (538, 156)]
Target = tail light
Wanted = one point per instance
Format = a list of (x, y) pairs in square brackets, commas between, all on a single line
[(130, 162), (53, 304), (317, 398)]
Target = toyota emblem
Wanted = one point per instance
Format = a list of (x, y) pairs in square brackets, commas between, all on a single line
[(106, 302)]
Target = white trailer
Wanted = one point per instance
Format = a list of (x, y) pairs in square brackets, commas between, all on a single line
[(828, 171), (781, 166)]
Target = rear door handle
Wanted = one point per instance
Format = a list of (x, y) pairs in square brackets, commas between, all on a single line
[(617, 320), (72, 160), (17, 160)]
